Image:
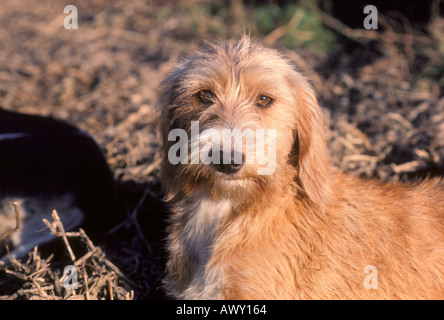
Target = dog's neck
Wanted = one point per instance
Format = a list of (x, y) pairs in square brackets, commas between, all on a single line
[(202, 214), (203, 217)]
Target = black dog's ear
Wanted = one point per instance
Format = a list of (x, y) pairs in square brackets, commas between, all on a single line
[(309, 152)]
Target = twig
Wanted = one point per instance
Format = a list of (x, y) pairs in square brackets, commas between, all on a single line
[(40, 290), (56, 228), (38, 272), (150, 168), (134, 217), (85, 279), (410, 166), (118, 272), (360, 157), (11, 297), (18, 275), (88, 255), (110, 286), (277, 33), (399, 118)]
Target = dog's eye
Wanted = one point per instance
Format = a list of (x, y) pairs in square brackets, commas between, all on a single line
[(205, 96), (264, 101)]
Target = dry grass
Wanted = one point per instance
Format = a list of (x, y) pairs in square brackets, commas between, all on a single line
[(95, 277), (384, 100)]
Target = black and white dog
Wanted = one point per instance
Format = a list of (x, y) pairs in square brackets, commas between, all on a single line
[(48, 164)]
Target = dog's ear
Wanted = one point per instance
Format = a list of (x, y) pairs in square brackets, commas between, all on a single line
[(309, 154), (166, 104)]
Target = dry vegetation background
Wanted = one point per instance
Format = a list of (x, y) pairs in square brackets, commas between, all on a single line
[(382, 92)]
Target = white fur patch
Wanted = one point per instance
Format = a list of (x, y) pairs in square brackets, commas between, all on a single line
[(200, 234), (10, 136), (33, 231)]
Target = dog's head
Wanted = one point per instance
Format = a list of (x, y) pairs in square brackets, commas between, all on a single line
[(241, 91)]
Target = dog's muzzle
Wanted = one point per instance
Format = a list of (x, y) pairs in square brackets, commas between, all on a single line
[(235, 162)]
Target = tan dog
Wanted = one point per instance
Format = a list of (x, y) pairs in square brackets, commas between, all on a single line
[(301, 232)]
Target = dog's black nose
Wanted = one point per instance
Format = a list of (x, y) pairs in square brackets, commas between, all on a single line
[(229, 167)]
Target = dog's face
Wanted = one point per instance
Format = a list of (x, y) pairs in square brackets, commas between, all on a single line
[(236, 117)]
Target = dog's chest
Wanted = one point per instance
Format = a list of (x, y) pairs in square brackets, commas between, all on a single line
[(202, 227)]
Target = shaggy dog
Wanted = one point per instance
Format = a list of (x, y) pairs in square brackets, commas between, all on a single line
[(302, 231)]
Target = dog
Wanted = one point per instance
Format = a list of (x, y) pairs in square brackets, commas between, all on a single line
[(47, 164), (303, 231)]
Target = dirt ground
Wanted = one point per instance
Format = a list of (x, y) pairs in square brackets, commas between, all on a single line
[(382, 93)]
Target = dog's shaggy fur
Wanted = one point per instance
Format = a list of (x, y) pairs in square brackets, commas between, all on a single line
[(304, 232)]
